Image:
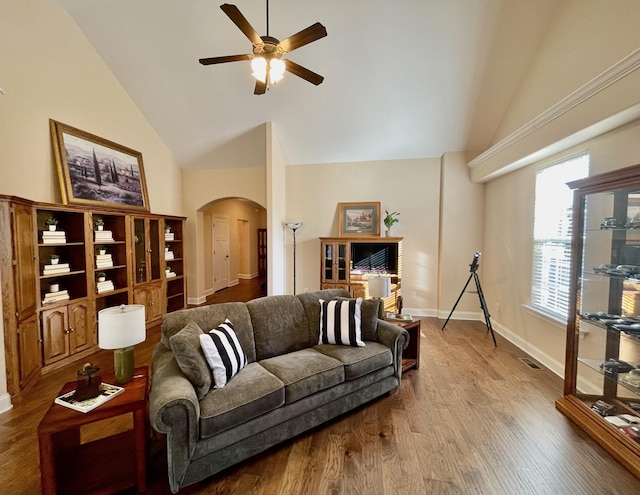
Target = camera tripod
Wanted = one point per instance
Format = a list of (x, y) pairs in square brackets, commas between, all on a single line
[(483, 304)]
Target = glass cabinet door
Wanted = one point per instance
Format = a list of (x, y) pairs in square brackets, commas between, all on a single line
[(608, 302), (140, 240)]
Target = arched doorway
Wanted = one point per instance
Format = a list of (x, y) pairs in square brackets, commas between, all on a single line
[(231, 243)]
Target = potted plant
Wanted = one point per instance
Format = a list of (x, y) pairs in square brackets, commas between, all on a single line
[(166, 248), (389, 220), (167, 228), (167, 269), (54, 259), (101, 276), (51, 222), (101, 250), (99, 223)]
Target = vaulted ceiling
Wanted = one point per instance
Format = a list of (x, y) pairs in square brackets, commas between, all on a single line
[(403, 78)]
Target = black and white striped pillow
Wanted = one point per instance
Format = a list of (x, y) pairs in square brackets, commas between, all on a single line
[(340, 322), (223, 352)]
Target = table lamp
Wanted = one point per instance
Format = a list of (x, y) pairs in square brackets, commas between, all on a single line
[(379, 288), (120, 328)]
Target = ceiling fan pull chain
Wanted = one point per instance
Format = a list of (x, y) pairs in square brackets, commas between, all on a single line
[(267, 17)]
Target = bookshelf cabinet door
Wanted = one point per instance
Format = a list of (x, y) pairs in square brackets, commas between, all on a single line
[(55, 341)]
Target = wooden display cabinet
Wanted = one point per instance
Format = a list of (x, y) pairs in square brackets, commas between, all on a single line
[(44, 331), (346, 263), (604, 316)]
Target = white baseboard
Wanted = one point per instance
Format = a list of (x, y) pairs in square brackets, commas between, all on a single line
[(196, 301), (247, 276), (5, 403)]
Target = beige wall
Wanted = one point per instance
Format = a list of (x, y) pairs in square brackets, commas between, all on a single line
[(411, 187), (508, 244), (584, 81), (50, 71)]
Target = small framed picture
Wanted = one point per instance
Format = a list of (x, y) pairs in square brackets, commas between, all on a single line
[(359, 219)]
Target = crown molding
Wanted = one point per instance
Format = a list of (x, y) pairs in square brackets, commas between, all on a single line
[(613, 74)]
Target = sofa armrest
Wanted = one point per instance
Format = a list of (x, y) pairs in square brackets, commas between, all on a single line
[(395, 338), (174, 409)]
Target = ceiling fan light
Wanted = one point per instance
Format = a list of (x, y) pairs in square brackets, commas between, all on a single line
[(259, 67), (276, 69)]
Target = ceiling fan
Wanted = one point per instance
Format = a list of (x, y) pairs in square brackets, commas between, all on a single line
[(266, 61)]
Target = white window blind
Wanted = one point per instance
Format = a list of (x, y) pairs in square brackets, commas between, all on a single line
[(552, 236)]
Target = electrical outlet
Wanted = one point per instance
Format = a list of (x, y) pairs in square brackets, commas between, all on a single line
[(414, 295), (306, 289)]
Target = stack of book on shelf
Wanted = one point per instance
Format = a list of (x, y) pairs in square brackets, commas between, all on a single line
[(168, 255), (169, 236), (105, 286), (104, 260), (51, 297), (103, 236), (54, 237), (56, 269)]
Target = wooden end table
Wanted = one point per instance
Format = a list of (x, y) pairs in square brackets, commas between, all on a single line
[(102, 466), (411, 355)]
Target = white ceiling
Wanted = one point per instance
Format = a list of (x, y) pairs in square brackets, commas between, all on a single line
[(403, 78)]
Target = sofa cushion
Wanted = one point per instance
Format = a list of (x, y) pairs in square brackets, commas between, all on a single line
[(188, 353), (305, 372), (223, 353), (279, 325), (340, 322), (369, 318), (253, 392), (358, 361), (210, 316)]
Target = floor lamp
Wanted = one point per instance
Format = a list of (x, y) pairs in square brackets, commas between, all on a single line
[(293, 226)]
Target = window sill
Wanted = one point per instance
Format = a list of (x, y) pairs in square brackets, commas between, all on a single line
[(547, 317)]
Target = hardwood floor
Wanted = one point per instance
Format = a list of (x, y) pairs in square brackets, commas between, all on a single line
[(473, 419)]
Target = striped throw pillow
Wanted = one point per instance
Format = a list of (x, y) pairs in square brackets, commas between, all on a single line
[(340, 322), (223, 352)]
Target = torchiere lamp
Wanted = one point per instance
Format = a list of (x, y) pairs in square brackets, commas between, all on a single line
[(293, 226), (120, 328)]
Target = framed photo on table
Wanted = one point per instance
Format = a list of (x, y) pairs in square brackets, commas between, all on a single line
[(98, 172), (359, 219)]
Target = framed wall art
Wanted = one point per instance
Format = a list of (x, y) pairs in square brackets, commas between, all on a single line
[(98, 172), (359, 219)]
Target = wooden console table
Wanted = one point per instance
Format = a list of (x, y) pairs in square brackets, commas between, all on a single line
[(107, 465)]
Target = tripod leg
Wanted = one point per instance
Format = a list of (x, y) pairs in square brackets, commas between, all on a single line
[(485, 310), (457, 301)]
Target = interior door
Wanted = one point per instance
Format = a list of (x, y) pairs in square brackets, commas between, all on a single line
[(220, 252)]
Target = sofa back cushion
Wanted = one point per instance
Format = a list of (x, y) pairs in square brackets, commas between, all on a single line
[(279, 325), (208, 318)]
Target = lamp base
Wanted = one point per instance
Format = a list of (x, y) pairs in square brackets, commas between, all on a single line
[(123, 364)]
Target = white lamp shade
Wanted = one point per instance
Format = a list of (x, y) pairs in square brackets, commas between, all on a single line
[(379, 286), (121, 326)]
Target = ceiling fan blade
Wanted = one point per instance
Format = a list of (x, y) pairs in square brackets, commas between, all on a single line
[(239, 20), (304, 37), (261, 88), (222, 60), (303, 72)]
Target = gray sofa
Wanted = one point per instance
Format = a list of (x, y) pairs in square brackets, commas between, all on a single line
[(290, 384)]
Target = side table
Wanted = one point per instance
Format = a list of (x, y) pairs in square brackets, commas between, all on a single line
[(411, 355), (107, 465)]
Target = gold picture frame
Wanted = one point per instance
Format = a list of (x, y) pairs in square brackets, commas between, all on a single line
[(359, 219), (98, 172)]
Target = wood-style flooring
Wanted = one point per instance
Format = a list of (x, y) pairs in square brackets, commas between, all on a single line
[(473, 419)]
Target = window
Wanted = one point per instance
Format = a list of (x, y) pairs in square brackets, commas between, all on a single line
[(552, 236)]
